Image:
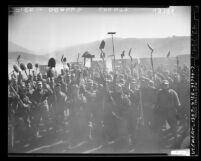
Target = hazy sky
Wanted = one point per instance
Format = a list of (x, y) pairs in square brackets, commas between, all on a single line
[(49, 29)]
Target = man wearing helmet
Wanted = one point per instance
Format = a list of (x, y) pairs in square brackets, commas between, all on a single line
[(167, 104)]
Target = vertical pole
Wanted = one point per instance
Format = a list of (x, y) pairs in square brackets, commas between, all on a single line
[(114, 55), (113, 47)]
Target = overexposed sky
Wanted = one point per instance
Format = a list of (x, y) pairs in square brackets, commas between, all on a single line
[(44, 30)]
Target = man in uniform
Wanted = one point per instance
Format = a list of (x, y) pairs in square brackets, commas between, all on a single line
[(167, 104), (121, 110), (41, 108)]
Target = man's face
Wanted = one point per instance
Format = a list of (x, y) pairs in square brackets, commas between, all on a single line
[(40, 86), (28, 85)]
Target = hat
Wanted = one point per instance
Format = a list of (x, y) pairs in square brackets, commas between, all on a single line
[(39, 82), (165, 82)]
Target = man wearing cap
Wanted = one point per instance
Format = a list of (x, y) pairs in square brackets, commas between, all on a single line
[(39, 99), (167, 104)]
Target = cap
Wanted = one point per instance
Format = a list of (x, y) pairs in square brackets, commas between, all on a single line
[(165, 82), (39, 82)]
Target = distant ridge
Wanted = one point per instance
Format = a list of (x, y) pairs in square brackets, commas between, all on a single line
[(13, 47), (177, 45)]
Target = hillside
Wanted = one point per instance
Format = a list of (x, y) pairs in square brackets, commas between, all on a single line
[(15, 50), (176, 45), (27, 57), (13, 47)]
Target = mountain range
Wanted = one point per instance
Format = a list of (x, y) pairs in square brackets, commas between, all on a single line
[(177, 45)]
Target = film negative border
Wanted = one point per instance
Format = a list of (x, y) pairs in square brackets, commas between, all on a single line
[(194, 112)]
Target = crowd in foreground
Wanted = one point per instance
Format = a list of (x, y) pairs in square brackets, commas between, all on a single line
[(100, 104)]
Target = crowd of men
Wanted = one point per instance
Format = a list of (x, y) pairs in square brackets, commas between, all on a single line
[(99, 104)]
